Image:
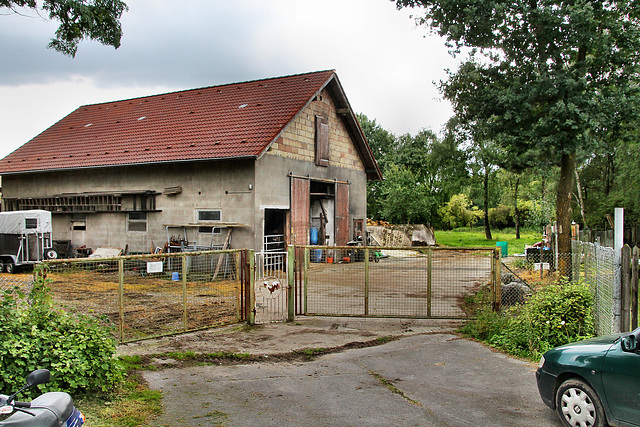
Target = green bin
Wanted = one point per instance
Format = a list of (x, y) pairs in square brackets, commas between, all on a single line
[(503, 247)]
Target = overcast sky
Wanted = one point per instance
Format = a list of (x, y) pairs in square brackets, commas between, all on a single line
[(385, 63)]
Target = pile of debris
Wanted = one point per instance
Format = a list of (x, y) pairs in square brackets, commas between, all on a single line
[(402, 235)]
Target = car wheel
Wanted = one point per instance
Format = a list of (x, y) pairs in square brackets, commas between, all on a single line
[(578, 404)]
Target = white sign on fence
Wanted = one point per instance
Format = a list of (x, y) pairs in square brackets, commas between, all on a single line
[(154, 267)]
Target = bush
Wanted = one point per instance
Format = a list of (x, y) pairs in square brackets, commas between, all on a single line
[(555, 315), (34, 334)]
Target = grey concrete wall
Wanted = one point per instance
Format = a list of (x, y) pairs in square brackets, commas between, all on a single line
[(205, 185)]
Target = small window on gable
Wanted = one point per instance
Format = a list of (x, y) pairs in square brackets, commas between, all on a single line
[(209, 215), (79, 222), (137, 221), (322, 141)]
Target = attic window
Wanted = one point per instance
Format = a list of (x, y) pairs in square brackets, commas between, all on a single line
[(142, 118)]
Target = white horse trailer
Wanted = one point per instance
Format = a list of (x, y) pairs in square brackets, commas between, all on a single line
[(25, 239)]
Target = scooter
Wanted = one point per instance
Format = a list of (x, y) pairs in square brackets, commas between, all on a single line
[(48, 410)]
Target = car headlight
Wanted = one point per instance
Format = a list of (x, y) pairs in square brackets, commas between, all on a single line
[(541, 362)]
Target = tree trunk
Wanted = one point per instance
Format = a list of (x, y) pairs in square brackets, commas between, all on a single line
[(516, 212), (563, 212), (487, 228), (580, 200)]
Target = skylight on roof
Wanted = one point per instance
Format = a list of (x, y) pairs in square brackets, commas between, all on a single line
[(88, 124), (243, 105), (142, 118)]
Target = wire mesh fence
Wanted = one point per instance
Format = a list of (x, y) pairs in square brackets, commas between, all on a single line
[(399, 282), (146, 296), (597, 266)]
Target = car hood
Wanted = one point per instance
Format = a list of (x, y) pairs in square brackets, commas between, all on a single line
[(580, 356)]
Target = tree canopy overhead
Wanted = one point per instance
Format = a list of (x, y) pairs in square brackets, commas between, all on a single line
[(545, 78), (79, 19)]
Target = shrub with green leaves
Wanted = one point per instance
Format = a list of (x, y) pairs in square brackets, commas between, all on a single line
[(35, 333), (556, 314)]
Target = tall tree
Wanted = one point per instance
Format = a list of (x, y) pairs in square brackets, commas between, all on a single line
[(79, 19), (545, 68)]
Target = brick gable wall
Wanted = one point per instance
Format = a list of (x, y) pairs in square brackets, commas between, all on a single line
[(298, 139)]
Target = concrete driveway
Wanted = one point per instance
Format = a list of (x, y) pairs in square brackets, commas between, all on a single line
[(428, 379)]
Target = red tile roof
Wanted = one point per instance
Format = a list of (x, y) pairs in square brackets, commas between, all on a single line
[(218, 122)]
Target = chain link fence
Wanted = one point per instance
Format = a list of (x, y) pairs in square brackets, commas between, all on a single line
[(152, 295), (595, 265)]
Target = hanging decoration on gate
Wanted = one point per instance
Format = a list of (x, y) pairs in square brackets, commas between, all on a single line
[(270, 287)]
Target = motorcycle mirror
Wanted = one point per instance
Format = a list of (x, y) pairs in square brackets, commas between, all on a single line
[(37, 377)]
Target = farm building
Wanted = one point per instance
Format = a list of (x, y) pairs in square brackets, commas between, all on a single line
[(245, 165)]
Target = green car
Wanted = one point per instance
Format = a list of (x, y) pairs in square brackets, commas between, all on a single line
[(594, 382)]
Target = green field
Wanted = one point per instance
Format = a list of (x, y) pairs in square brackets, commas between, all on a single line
[(474, 237)]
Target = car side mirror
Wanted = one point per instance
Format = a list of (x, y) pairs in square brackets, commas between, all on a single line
[(629, 343)]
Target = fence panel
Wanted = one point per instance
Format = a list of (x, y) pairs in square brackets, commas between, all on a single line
[(393, 282), (146, 296)]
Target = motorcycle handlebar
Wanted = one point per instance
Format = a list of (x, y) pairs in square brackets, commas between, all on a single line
[(17, 404)]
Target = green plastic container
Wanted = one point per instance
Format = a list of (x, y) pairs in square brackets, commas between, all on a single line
[(504, 247)]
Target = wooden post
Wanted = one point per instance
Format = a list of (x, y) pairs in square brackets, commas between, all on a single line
[(625, 291), (635, 259)]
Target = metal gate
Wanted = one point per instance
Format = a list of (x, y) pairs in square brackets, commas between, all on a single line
[(393, 282), (271, 287)]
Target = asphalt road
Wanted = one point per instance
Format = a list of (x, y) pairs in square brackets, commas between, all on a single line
[(433, 379)]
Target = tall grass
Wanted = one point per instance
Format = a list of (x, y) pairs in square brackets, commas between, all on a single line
[(474, 237)]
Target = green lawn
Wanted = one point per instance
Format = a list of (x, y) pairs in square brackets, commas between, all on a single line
[(474, 237)]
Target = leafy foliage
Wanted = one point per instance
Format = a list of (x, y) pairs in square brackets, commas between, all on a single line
[(555, 315), (460, 212), (94, 19), (77, 349)]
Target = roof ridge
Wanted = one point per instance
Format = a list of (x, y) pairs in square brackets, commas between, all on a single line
[(207, 87)]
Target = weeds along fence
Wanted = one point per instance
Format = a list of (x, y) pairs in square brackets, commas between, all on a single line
[(144, 296), (595, 265)]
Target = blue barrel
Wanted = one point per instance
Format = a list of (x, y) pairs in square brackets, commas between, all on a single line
[(316, 255), (503, 247), (313, 236)]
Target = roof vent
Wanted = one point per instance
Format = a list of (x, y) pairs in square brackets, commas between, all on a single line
[(243, 105), (88, 124), (142, 118)]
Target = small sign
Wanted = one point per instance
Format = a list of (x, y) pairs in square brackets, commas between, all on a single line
[(154, 267), (541, 265)]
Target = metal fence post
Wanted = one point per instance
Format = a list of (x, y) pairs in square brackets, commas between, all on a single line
[(366, 281), (496, 287), (305, 276), (184, 292), (121, 297), (429, 281), (634, 287), (251, 315), (291, 266), (625, 290)]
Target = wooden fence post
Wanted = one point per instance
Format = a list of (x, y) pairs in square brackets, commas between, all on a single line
[(291, 272), (625, 291), (251, 261)]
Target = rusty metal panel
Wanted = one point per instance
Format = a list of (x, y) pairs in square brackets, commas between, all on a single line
[(300, 210), (342, 214)]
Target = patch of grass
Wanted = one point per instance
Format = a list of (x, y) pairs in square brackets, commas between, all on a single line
[(130, 406), (474, 237)]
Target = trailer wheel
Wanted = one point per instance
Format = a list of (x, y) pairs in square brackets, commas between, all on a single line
[(10, 268), (1, 266), (51, 254)]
